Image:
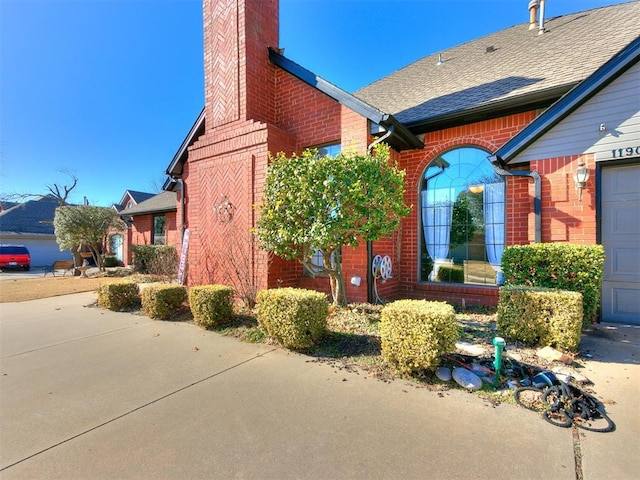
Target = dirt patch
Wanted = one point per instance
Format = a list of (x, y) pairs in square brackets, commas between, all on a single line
[(23, 289)]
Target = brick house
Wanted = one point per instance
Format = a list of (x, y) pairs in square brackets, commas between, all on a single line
[(151, 220), (444, 116)]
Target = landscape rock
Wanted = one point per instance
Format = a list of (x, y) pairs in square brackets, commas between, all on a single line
[(550, 354), (470, 348), (443, 373), (466, 379), (571, 373)]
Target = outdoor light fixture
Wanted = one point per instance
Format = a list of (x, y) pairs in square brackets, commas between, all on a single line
[(581, 176)]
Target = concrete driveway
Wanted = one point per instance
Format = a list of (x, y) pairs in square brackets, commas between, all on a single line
[(87, 393)]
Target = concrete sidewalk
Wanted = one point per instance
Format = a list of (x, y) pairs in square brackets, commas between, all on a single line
[(88, 393)]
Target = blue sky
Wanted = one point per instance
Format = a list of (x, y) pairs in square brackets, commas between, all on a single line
[(107, 89)]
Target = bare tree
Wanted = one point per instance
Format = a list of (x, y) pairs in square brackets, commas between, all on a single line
[(61, 192), (58, 191)]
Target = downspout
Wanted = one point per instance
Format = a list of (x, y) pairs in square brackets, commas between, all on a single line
[(179, 181), (370, 292), (497, 164)]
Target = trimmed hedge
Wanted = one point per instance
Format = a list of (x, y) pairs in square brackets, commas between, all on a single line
[(416, 333), (540, 316), (296, 318), (577, 268), (210, 304), (162, 301), (155, 259), (118, 296)]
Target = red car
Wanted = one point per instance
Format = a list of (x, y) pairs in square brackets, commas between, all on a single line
[(15, 256)]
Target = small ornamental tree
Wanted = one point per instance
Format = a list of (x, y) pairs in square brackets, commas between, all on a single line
[(313, 202), (86, 225)]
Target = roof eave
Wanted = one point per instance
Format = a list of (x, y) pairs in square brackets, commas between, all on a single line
[(561, 109), (401, 139), (175, 166)]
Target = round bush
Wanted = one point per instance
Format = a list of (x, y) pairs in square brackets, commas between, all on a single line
[(416, 333), (210, 304), (296, 318), (118, 295), (162, 301)]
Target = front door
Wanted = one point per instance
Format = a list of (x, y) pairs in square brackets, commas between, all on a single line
[(620, 235), (116, 246)]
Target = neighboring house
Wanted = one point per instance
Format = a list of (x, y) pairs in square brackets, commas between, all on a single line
[(151, 222), (31, 224), (488, 154), (118, 241)]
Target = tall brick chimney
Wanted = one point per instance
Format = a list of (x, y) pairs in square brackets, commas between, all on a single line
[(239, 78)]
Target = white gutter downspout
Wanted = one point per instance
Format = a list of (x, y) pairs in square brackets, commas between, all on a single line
[(370, 292), (381, 139)]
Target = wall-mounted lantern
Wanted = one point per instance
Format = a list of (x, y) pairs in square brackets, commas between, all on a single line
[(580, 176)]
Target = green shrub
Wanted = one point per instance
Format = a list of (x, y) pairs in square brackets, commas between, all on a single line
[(210, 304), (540, 316), (162, 301), (110, 261), (577, 268), (296, 318), (118, 296), (155, 259), (416, 333), (451, 274)]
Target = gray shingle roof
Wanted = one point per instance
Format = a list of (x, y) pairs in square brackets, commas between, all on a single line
[(163, 202), (523, 67), (137, 197), (34, 217)]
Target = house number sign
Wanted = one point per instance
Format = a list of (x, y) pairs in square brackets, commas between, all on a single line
[(625, 152)]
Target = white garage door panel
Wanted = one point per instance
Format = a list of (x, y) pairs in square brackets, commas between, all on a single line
[(625, 264), (620, 233), (625, 304)]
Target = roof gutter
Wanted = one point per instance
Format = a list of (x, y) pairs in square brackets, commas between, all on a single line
[(498, 165), (400, 139)]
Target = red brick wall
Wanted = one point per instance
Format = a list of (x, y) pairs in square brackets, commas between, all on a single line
[(306, 113), (141, 230), (564, 218)]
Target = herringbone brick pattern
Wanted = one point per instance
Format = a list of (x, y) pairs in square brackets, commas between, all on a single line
[(221, 62)]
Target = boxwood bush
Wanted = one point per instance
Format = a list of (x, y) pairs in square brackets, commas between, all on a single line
[(416, 333), (540, 316), (576, 268), (155, 259), (296, 318), (118, 296), (210, 304), (162, 301)]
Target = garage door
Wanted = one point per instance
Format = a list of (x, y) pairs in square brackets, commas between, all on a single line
[(620, 228)]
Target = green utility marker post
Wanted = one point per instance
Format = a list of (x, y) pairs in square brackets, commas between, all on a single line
[(499, 343)]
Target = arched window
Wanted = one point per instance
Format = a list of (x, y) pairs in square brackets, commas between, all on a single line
[(463, 218)]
